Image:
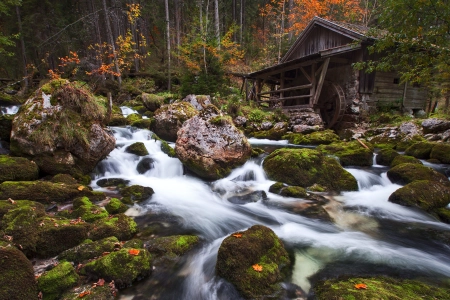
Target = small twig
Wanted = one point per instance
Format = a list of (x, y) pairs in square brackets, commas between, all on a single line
[(364, 145)]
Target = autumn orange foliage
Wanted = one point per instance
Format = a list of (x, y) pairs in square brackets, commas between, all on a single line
[(237, 235), (361, 286), (257, 268), (134, 251)]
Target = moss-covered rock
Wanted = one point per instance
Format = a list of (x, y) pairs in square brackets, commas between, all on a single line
[(17, 169), (107, 182), (305, 167), (118, 120), (121, 266), (90, 250), (386, 156), (276, 187), (137, 148), (104, 292), (257, 152), (408, 141), (136, 193), (120, 226), (151, 101), (275, 133), (404, 159), (424, 194), (316, 138), (5, 127), (115, 206), (134, 243), (56, 281), (143, 123), (421, 150), (441, 152), (294, 192), (45, 191), (131, 118), (378, 288), (172, 246), (407, 173), (165, 147), (84, 209), (239, 260), (64, 178), (350, 153), (16, 276)]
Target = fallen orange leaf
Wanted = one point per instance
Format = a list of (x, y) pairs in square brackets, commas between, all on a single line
[(360, 286), (237, 235), (134, 251), (257, 268), (101, 282), (80, 188), (85, 293)]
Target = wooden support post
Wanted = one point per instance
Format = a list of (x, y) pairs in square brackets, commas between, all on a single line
[(258, 89), (404, 95), (321, 80), (282, 84), (312, 91)]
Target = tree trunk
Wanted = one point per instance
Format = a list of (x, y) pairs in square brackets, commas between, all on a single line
[(242, 21), (24, 55), (233, 9), (178, 22), (291, 22), (281, 30), (217, 22), (166, 4), (111, 41)]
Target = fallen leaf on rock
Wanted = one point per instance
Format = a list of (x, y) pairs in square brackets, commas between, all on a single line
[(134, 251), (12, 201), (257, 268), (361, 286), (100, 282), (237, 235), (80, 188), (85, 293), (105, 253)]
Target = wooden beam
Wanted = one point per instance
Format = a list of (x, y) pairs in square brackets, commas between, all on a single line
[(294, 88), (296, 106), (282, 82), (312, 91), (318, 70), (285, 98), (321, 81), (306, 74)]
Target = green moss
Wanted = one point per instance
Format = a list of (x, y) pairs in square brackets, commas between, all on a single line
[(134, 243), (220, 120), (421, 150), (406, 142), (143, 123), (172, 245), (350, 153), (316, 188), (257, 152), (386, 156), (16, 276), (316, 138), (120, 226), (56, 281), (121, 267), (441, 152), (45, 192), (133, 118), (276, 187), (137, 148), (404, 159), (5, 127), (52, 86), (305, 167), (407, 173), (151, 101), (83, 208), (379, 288), (65, 178), (275, 133), (136, 193), (165, 146), (115, 206), (293, 191), (17, 169), (90, 250)]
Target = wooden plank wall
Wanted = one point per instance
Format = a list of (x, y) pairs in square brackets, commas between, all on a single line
[(319, 39), (388, 93)]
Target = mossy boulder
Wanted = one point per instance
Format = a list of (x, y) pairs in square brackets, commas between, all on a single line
[(137, 148), (56, 281), (424, 194), (108, 182), (61, 128), (294, 192), (117, 120), (274, 133), (257, 152), (122, 266), (5, 127), (17, 169), (151, 101), (276, 187), (143, 123), (136, 193), (45, 191), (87, 211), (407, 173), (378, 288), (316, 138), (131, 118), (350, 153), (169, 119), (404, 159), (145, 164), (16, 276), (305, 167), (255, 263), (104, 292), (172, 246), (421, 150), (441, 152), (63, 178), (408, 141), (90, 250), (115, 206), (386, 156), (121, 226), (165, 147)]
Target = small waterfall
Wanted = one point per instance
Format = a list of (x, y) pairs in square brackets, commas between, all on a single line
[(126, 111), (9, 110)]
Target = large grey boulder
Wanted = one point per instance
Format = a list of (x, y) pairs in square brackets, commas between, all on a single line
[(435, 125), (210, 145)]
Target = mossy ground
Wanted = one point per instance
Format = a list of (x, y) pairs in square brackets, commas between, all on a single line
[(379, 288)]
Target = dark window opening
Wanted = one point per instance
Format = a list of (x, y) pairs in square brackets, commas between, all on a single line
[(416, 85), (396, 80)]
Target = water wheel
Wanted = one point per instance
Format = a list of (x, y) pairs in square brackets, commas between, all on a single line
[(331, 104)]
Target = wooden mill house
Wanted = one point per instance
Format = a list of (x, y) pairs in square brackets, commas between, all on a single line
[(317, 73)]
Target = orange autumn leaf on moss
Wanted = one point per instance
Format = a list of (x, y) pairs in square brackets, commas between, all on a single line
[(257, 268), (361, 286), (80, 188), (134, 251), (237, 235), (85, 293)]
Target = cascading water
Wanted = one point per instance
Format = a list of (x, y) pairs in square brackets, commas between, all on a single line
[(368, 231), (9, 110)]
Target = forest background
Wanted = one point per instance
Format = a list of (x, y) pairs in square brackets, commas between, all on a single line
[(194, 46)]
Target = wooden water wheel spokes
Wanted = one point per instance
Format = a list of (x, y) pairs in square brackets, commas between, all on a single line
[(331, 104)]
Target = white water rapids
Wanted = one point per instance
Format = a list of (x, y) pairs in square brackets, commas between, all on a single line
[(367, 230)]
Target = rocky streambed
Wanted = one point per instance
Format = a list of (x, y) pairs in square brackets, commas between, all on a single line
[(215, 215)]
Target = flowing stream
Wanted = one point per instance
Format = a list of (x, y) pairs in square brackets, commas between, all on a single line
[(369, 235)]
